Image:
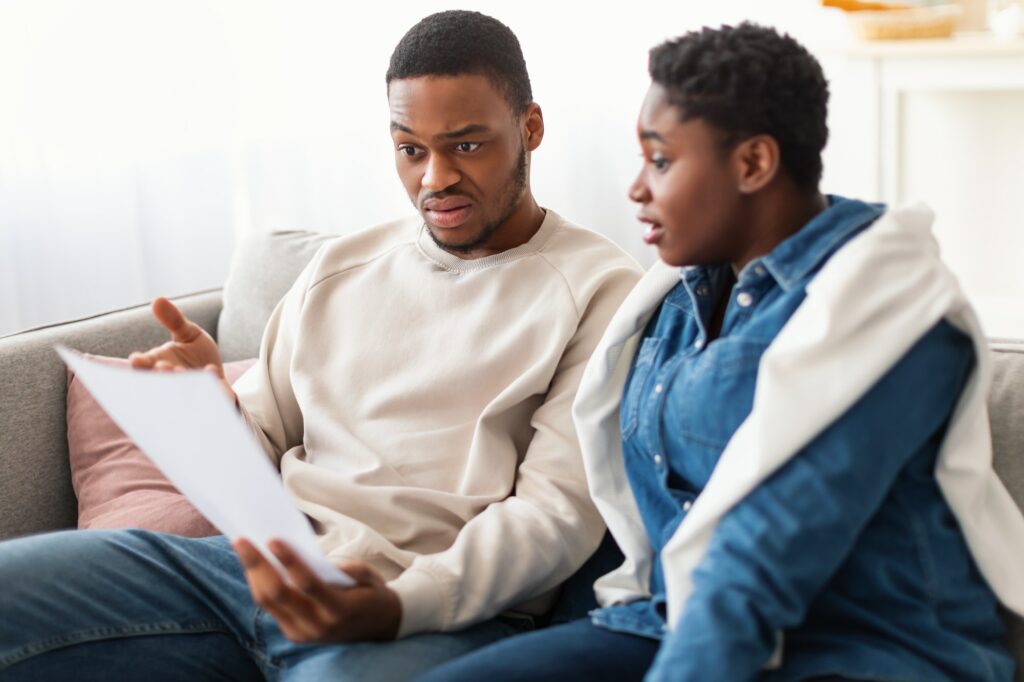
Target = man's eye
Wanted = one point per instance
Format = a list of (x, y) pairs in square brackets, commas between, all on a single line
[(467, 146), (660, 162), (408, 150)]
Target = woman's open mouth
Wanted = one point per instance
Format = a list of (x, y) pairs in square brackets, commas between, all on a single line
[(653, 231)]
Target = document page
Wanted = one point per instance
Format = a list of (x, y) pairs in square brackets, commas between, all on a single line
[(185, 423)]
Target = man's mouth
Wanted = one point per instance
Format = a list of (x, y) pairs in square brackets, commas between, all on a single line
[(448, 212)]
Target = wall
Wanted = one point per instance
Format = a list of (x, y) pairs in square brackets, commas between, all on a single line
[(140, 139)]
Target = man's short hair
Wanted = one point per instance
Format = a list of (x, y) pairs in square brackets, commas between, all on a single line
[(748, 80), (459, 42)]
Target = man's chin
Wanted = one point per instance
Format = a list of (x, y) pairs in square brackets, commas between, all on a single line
[(459, 240)]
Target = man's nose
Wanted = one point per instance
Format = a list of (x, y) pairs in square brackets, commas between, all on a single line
[(439, 174)]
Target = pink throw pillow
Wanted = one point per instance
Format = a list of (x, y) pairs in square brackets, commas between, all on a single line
[(116, 484)]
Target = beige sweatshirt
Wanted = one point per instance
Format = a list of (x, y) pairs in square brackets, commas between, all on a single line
[(418, 405)]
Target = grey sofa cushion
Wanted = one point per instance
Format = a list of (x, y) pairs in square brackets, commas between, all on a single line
[(263, 268), (1006, 409), (35, 482)]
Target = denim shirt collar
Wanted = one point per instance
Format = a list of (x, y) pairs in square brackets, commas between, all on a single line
[(790, 262)]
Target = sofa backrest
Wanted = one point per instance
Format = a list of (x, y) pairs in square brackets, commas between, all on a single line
[(35, 478), (263, 268), (35, 482), (1006, 411)]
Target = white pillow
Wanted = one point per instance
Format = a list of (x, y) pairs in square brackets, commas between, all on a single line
[(263, 268)]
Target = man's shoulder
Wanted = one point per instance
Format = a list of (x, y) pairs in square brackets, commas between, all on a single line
[(348, 251), (592, 266), (569, 235), (579, 250)]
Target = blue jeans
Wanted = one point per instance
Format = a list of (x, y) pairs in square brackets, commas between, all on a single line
[(108, 605), (574, 651), (577, 651)]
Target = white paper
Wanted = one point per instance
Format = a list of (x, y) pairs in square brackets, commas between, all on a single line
[(185, 423)]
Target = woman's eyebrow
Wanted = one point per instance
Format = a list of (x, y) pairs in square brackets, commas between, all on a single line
[(651, 135)]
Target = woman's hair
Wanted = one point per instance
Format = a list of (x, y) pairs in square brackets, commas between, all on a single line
[(460, 42), (748, 80)]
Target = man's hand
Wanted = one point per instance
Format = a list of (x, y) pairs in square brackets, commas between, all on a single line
[(310, 610), (190, 347)]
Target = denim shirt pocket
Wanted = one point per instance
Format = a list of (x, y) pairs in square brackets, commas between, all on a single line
[(719, 392), (633, 391)]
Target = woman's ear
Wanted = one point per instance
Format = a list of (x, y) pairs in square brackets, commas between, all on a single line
[(757, 161), (533, 127)]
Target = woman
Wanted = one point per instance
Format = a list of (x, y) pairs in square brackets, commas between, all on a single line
[(796, 385)]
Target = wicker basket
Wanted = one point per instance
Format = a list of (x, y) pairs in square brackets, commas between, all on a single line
[(938, 21)]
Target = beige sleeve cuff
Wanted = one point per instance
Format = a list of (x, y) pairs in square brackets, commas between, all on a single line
[(422, 602)]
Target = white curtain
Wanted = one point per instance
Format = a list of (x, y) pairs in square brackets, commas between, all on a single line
[(139, 138)]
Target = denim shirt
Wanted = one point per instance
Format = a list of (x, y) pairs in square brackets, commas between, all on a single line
[(850, 548)]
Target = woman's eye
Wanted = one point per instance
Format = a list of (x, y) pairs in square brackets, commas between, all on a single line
[(660, 162), (467, 146)]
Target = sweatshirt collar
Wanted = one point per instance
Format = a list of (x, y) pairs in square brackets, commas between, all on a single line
[(449, 261)]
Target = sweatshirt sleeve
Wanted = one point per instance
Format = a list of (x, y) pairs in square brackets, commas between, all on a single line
[(266, 400), (532, 541), (775, 550)]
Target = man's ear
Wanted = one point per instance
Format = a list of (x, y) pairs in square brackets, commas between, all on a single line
[(533, 126), (757, 161)]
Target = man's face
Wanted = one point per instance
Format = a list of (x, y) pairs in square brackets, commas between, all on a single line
[(687, 188), (461, 154)]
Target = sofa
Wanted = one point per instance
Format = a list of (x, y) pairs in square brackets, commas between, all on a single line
[(35, 485)]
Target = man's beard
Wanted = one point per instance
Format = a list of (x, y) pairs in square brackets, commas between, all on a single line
[(516, 185)]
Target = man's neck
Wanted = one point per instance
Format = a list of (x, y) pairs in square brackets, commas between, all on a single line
[(516, 230)]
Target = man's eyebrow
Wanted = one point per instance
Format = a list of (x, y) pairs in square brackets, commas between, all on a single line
[(471, 129), (651, 135)]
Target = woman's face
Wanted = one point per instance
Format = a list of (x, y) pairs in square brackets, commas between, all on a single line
[(687, 188)]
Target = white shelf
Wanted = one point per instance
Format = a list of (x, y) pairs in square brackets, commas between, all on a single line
[(980, 44), (937, 118)]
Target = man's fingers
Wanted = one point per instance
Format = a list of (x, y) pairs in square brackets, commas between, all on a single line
[(165, 366), (362, 573), (264, 581), (162, 359), (302, 577), (165, 352), (295, 613), (181, 328), (141, 361)]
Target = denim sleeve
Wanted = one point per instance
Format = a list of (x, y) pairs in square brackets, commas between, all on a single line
[(775, 550)]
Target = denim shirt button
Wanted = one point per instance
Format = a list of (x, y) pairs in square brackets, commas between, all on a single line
[(703, 290), (759, 270), (658, 389), (698, 344), (687, 505), (744, 299), (657, 459)]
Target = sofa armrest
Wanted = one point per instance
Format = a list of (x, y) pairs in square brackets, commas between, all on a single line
[(35, 479)]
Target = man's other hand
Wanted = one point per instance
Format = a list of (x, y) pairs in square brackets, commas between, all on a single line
[(190, 347), (310, 610)]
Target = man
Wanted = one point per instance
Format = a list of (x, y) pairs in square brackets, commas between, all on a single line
[(414, 387)]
